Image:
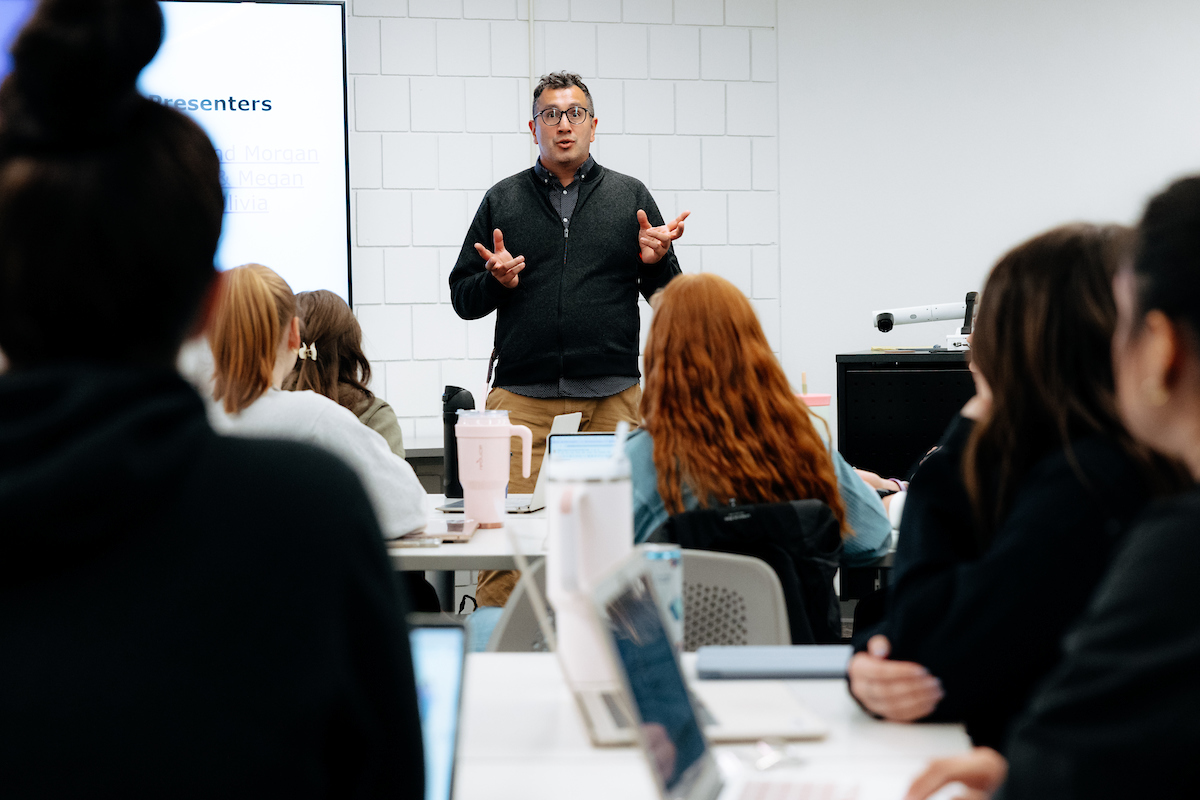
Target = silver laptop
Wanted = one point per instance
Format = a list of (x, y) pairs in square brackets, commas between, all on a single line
[(527, 504), (439, 648), (585, 445), (731, 711), (670, 731)]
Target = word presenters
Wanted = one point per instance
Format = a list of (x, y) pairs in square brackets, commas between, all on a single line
[(266, 80)]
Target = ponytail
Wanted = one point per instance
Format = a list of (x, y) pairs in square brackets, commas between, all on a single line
[(254, 309)]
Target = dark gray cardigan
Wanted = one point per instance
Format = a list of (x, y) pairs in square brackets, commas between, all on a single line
[(574, 313)]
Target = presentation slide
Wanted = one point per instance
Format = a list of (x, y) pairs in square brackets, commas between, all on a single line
[(13, 14), (266, 81)]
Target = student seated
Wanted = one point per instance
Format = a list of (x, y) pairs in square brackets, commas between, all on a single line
[(721, 423), (1120, 716), (255, 339), (1010, 524), (182, 614), (332, 363)]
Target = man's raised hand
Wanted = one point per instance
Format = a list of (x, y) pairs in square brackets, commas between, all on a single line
[(500, 262), (653, 242)]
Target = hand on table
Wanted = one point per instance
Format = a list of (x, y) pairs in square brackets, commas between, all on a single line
[(982, 771), (500, 262), (900, 691), (655, 241)]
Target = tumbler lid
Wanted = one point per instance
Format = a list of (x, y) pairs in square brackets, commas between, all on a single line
[(471, 416)]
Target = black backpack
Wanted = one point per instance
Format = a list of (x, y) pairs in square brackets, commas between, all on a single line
[(800, 540)]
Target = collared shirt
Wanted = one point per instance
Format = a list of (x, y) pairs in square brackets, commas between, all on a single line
[(564, 200)]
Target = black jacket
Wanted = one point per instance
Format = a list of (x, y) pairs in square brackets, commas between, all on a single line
[(800, 540), (990, 624), (187, 615), (1120, 717), (574, 313)]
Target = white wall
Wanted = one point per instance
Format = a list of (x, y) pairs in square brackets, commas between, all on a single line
[(686, 101), (920, 140)]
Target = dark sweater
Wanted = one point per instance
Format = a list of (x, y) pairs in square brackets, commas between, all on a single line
[(186, 615), (1120, 717), (989, 623), (574, 312)]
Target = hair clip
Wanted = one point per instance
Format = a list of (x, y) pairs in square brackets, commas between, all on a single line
[(309, 351)]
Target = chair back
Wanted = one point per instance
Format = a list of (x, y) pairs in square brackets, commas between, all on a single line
[(518, 630), (731, 599), (800, 541)]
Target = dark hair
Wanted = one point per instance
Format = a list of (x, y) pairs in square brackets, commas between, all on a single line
[(110, 204), (1167, 263), (340, 371), (1043, 342), (561, 80)]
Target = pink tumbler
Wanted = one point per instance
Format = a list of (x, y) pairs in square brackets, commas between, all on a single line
[(484, 448), (818, 406)]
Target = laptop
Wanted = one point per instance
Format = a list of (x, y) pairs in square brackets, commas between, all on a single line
[(586, 445), (672, 736), (438, 646), (731, 711), (521, 503)]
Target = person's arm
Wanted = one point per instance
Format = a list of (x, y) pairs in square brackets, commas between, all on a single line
[(937, 535), (653, 275), (989, 628), (395, 492), (475, 291), (864, 513), (900, 691), (383, 421), (648, 510), (1120, 717)]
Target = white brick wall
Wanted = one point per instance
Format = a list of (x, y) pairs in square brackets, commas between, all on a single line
[(685, 94)]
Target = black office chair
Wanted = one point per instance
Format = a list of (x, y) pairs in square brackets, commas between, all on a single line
[(801, 541)]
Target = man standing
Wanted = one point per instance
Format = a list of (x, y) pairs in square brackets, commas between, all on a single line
[(560, 252)]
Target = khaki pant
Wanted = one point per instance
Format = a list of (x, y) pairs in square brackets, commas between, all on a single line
[(599, 414)]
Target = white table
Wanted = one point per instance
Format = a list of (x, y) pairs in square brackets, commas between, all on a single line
[(489, 548), (424, 447), (522, 738)]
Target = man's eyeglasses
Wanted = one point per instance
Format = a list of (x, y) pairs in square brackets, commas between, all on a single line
[(576, 115)]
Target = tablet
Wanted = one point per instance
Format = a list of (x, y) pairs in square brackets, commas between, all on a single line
[(787, 662)]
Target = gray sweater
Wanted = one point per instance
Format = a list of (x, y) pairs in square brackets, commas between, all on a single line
[(574, 313)]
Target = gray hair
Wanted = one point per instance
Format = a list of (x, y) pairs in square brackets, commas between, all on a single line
[(561, 80)]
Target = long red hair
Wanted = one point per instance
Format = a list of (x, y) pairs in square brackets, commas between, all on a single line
[(717, 402)]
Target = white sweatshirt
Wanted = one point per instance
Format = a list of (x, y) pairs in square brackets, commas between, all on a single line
[(395, 492)]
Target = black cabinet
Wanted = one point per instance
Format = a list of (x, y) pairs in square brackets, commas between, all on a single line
[(893, 406)]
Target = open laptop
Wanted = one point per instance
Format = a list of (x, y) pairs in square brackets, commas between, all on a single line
[(439, 650), (672, 736), (571, 445), (731, 711), (527, 504)]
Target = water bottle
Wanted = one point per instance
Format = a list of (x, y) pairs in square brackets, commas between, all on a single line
[(454, 399)]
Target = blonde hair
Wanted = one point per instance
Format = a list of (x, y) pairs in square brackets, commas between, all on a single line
[(254, 309)]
